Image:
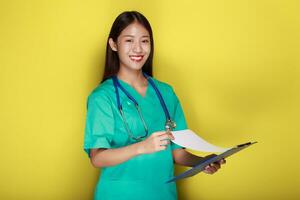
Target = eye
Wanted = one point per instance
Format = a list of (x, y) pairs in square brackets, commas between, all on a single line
[(128, 40), (145, 41)]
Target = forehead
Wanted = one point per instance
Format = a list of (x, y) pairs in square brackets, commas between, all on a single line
[(135, 29)]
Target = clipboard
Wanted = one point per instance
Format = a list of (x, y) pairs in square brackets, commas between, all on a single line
[(201, 166)]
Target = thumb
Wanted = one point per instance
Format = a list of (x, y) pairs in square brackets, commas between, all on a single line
[(171, 136)]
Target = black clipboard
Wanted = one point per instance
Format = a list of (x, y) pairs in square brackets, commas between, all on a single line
[(200, 167)]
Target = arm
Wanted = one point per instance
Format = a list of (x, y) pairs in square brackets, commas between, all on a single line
[(108, 157), (183, 157), (158, 141)]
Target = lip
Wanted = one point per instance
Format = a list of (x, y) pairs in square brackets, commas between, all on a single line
[(136, 58), (136, 55)]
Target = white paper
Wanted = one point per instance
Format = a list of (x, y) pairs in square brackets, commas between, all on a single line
[(188, 139)]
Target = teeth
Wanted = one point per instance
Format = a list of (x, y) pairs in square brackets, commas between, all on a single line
[(136, 57)]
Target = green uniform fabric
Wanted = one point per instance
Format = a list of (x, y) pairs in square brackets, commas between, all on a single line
[(143, 176)]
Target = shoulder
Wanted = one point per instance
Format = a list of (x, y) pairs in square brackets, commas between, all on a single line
[(166, 90), (165, 87), (102, 93)]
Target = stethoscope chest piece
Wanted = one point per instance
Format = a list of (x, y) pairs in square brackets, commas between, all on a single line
[(170, 125)]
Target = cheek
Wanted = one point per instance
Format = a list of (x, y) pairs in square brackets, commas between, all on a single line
[(124, 48), (123, 51), (147, 49)]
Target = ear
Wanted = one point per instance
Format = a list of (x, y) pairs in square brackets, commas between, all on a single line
[(112, 44)]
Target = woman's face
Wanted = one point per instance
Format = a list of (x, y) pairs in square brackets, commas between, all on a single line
[(133, 46)]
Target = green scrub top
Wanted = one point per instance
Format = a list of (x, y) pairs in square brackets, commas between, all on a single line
[(143, 176)]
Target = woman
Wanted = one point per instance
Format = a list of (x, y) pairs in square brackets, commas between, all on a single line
[(126, 132)]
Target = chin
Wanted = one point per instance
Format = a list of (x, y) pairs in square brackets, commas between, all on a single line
[(135, 66)]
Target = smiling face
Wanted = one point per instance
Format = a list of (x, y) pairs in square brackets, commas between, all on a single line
[(133, 47)]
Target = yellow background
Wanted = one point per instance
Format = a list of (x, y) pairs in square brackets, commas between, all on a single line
[(234, 65)]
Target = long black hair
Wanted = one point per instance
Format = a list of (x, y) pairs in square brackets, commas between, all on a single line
[(112, 63)]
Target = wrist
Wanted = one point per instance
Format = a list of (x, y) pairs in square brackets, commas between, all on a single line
[(139, 148)]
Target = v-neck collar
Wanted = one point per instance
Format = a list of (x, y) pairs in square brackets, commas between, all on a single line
[(132, 91)]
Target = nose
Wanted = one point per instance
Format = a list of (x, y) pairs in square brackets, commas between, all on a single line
[(137, 47)]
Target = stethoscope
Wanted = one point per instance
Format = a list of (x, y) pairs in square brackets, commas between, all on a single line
[(169, 125)]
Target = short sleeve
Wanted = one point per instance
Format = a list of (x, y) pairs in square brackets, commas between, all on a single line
[(99, 126), (179, 118)]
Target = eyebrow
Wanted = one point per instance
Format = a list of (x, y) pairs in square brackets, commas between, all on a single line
[(133, 36)]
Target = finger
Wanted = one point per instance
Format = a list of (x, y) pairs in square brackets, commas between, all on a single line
[(171, 136), (216, 165), (212, 168), (159, 133), (165, 142), (208, 170), (162, 147), (223, 161), (164, 137), (207, 167)]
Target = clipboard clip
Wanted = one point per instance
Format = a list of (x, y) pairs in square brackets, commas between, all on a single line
[(245, 144)]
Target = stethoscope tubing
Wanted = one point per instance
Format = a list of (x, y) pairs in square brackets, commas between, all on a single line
[(162, 102)]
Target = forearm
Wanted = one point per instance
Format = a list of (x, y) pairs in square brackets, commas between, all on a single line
[(183, 157), (110, 157), (157, 141)]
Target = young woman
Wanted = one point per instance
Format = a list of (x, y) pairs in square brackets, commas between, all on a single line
[(129, 117)]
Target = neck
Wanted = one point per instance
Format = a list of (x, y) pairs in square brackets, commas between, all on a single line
[(132, 77)]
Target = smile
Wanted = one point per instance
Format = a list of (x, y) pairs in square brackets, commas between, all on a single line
[(136, 58)]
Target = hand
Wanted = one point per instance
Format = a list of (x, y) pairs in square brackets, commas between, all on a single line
[(213, 167), (157, 141)]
